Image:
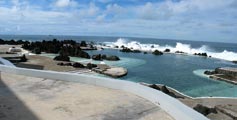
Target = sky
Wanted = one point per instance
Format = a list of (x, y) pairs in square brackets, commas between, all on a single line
[(201, 20)]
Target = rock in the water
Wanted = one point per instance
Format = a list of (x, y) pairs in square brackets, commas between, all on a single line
[(235, 61), (145, 53), (97, 57), (112, 58), (154, 86), (82, 54), (103, 56), (126, 50), (157, 52), (180, 52), (78, 65), (201, 54), (165, 90), (204, 110), (62, 58), (90, 66), (167, 50)]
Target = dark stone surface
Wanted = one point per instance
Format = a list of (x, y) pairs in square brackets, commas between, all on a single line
[(235, 61), (97, 57), (125, 49), (82, 54), (37, 51), (154, 86), (103, 56), (90, 66), (167, 50), (112, 58), (60, 64), (179, 52), (204, 110), (210, 72), (157, 52), (201, 54), (62, 58), (23, 58), (164, 89), (78, 65)]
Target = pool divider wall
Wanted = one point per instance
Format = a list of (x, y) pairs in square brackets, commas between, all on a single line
[(172, 106)]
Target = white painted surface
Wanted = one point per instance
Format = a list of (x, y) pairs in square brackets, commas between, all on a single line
[(172, 106), (6, 62)]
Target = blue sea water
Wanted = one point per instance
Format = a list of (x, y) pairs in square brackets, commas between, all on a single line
[(176, 71)]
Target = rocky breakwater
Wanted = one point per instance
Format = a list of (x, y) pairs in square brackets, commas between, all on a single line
[(227, 74), (64, 48)]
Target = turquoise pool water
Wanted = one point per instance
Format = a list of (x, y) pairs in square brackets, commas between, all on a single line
[(181, 72)]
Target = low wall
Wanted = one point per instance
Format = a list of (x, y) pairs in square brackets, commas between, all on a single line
[(172, 106)]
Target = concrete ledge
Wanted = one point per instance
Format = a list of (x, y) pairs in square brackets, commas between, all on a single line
[(172, 106)]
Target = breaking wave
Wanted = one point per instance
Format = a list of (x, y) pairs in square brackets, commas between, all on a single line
[(135, 45)]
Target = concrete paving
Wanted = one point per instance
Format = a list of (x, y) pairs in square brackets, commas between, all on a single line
[(28, 98)]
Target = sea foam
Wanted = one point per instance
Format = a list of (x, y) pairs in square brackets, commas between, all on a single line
[(135, 45)]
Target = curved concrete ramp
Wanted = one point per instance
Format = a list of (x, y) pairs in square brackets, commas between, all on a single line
[(48, 99)]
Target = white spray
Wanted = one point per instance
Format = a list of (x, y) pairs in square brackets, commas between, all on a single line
[(225, 55)]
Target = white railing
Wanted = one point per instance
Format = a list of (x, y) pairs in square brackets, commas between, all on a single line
[(172, 106)]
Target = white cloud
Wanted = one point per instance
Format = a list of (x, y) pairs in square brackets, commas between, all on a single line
[(167, 19), (65, 3)]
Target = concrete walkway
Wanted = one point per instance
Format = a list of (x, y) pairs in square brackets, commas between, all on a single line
[(28, 98)]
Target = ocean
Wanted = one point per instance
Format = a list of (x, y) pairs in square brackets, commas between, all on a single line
[(181, 72)]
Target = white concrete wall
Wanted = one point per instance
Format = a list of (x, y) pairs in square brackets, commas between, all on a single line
[(171, 105)]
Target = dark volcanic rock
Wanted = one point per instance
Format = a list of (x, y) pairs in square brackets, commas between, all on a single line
[(112, 58), (78, 65), (157, 52), (201, 54), (97, 57), (145, 53), (103, 56), (62, 58), (83, 54), (37, 51), (179, 52), (165, 90), (23, 58), (154, 86), (210, 72), (83, 44), (204, 110), (167, 50), (126, 50), (90, 66), (60, 64), (235, 61)]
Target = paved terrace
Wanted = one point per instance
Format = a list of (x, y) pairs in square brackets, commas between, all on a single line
[(29, 98)]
